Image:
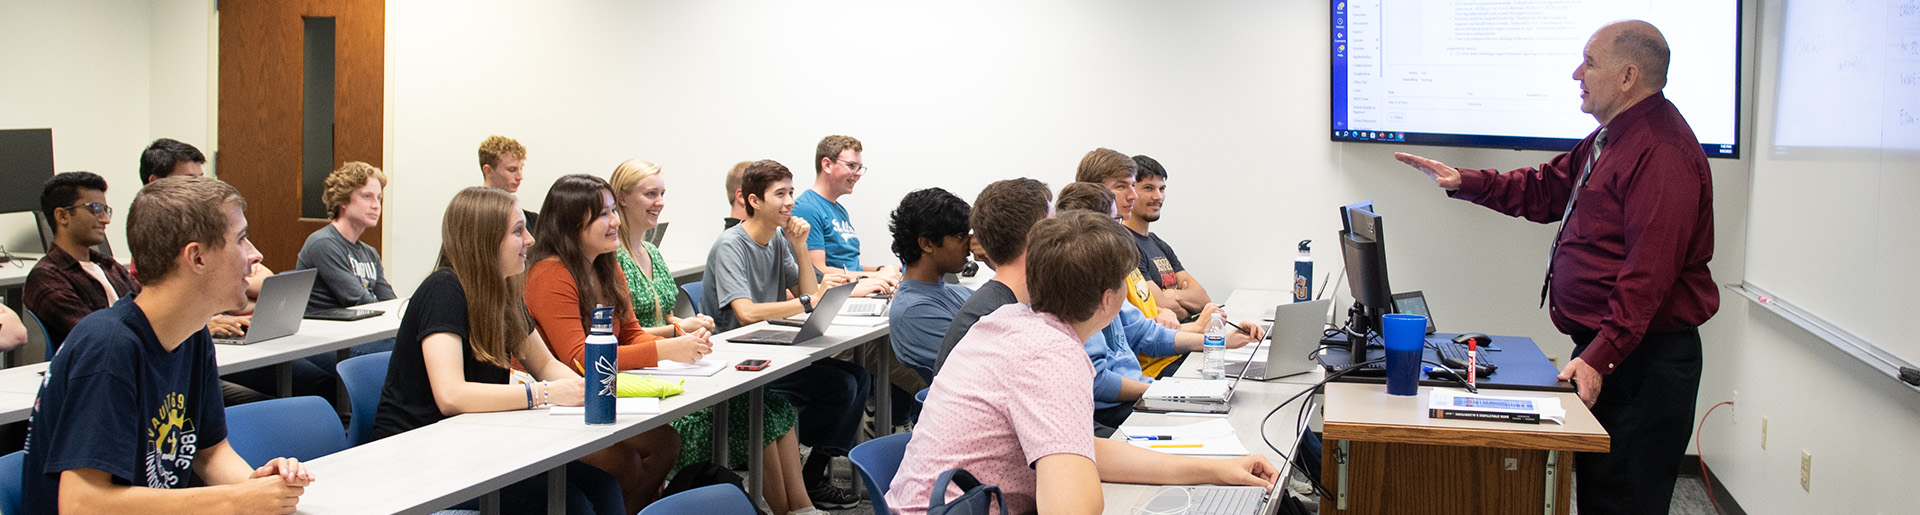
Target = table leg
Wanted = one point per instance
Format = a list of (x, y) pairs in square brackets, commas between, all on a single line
[(557, 490), (719, 436), (283, 376), (756, 433), (490, 503), (882, 392)]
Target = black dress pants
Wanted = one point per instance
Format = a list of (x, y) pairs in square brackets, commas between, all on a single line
[(1646, 405)]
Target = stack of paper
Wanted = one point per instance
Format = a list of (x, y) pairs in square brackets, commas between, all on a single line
[(1211, 438), (705, 367), (1455, 404)]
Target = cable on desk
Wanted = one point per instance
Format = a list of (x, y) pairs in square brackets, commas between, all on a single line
[(1288, 457)]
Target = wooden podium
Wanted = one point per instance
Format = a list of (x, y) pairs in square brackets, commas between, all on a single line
[(1383, 454)]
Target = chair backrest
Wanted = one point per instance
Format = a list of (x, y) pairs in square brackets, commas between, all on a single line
[(878, 460), (693, 294), (37, 335), (11, 476), (722, 499), (297, 427), (364, 376)]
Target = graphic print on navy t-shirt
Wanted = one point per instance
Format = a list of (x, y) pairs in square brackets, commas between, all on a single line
[(172, 441)]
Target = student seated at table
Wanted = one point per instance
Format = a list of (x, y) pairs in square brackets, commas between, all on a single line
[(349, 272), (74, 280), (130, 412), (575, 270), (1118, 380), (930, 238), (1001, 217), (1013, 402), (641, 191), (463, 332), (167, 157), (753, 274)]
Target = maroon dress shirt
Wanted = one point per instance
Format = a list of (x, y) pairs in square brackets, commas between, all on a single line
[(1632, 258)]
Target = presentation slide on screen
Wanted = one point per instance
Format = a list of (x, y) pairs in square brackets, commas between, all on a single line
[(1500, 72)]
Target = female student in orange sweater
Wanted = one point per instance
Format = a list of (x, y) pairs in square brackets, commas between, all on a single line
[(574, 270)]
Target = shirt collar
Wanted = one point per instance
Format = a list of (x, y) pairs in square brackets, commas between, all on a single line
[(1632, 116)]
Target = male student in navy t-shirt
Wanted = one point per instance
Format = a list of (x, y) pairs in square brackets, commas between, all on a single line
[(131, 407)]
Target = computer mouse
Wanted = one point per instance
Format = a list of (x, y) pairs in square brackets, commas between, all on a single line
[(1477, 339)]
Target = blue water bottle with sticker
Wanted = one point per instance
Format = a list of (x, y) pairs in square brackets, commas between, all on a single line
[(602, 366), (1303, 273)]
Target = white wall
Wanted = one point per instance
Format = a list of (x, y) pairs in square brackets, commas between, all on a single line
[(108, 77)]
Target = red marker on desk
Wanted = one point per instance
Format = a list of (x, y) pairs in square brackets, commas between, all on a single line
[(1472, 368)]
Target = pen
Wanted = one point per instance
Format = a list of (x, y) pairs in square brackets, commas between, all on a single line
[(1151, 437), (1223, 318), (1173, 445)]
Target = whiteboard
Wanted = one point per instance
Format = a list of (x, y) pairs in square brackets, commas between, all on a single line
[(1835, 222)]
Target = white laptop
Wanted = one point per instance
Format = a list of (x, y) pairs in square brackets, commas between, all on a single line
[(282, 303), (1296, 335)]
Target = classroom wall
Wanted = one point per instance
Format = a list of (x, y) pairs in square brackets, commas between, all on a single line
[(1229, 95)]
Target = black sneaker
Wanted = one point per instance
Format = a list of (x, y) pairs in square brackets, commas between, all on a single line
[(828, 497)]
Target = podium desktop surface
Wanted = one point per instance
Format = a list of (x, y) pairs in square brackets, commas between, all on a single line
[(1521, 365)]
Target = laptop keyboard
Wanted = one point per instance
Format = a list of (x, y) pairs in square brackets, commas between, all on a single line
[(864, 307), (1225, 501)]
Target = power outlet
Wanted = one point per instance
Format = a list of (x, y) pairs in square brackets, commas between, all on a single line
[(1763, 433), (1806, 470)]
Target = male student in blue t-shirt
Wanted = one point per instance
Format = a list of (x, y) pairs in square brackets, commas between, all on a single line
[(930, 237), (833, 245), (130, 410)]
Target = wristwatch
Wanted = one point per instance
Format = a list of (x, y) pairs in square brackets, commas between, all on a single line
[(806, 302)]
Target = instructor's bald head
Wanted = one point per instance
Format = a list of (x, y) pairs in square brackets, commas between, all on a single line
[(1641, 45)]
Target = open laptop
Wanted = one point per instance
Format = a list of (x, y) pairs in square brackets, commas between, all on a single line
[(1296, 335), (283, 300), (657, 233), (816, 325)]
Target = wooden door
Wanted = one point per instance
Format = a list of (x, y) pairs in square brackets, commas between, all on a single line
[(262, 50)]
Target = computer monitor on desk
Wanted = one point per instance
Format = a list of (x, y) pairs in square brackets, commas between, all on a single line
[(1363, 247)]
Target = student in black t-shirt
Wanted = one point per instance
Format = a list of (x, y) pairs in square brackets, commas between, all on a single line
[(1179, 291), (130, 410), (1001, 217), (446, 363)]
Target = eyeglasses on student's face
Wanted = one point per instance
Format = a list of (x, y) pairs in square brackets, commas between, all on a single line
[(97, 208), (854, 166)]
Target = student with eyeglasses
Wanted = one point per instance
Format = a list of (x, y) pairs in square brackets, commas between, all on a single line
[(73, 280)]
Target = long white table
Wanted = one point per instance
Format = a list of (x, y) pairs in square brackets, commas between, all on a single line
[(467, 450)]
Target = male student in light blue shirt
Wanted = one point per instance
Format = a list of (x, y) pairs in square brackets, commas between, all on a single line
[(833, 245)]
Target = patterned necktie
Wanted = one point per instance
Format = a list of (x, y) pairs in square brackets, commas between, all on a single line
[(1586, 172)]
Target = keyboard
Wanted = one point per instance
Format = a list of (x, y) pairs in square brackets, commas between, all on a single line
[(1225, 501), (864, 307), (1455, 355)]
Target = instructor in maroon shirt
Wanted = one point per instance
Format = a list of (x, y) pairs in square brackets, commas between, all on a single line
[(1628, 277)]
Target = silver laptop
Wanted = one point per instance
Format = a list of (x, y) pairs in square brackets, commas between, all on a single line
[(1296, 335), (1209, 500), (657, 233), (282, 303), (815, 326)]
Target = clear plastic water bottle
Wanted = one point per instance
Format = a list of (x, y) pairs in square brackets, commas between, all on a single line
[(602, 366), (1215, 364)]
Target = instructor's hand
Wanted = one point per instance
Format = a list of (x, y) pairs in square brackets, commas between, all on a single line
[(1443, 175), (1586, 380)]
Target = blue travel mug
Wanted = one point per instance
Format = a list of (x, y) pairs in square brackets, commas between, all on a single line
[(602, 369), (1405, 335)]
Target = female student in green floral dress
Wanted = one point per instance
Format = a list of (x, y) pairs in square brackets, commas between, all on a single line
[(641, 192)]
